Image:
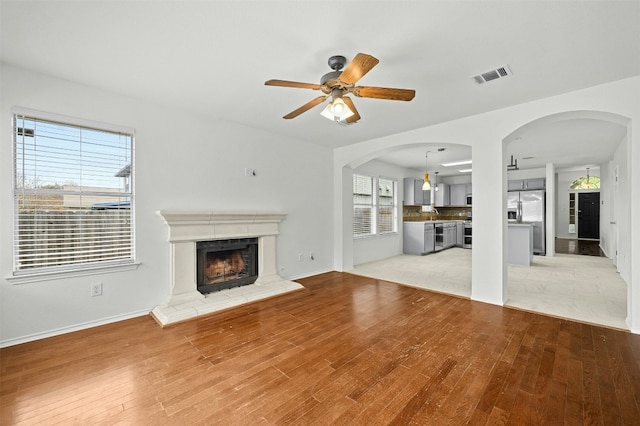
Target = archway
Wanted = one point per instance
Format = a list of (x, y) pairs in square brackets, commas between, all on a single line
[(614, 143), (344, 259)]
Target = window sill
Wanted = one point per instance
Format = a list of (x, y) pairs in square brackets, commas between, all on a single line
[(49, 276), (386, 234)]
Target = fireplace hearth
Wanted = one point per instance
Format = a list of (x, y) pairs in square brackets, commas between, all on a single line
[(224, 264)]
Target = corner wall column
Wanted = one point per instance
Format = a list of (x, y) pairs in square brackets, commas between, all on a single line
[(489, 251)]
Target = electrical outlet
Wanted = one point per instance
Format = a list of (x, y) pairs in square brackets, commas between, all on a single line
[(96, 289), (250, 172)]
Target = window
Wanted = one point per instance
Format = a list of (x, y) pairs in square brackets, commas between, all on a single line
[(374, 212), (386, 206), (585, 182), (73, 194)]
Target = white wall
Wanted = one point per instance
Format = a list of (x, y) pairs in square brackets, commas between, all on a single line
[(622, 159), (183, 161), (606, 208), (379, 247)]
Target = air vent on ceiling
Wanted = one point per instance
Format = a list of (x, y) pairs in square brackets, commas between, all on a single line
[(499, 72)]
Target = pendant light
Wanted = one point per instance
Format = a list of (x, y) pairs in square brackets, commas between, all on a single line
[(426, 186), (436, 185)]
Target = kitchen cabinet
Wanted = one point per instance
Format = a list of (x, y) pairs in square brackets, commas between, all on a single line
[(526, 184), (458, 194), (418, 238), (459, 233), (445, 234), (450, 235), (515, 185), (422, 238), (413, 193), (442, 196), (538, 183)]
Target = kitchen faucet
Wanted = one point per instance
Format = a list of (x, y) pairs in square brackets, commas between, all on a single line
[(433, 209)]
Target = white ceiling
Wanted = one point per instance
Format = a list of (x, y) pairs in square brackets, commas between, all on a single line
[(213, 57)]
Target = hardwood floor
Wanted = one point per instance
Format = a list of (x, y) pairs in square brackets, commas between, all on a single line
[(346, 350), (582, 247)]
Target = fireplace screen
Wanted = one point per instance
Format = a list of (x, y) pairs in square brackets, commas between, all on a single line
[(226, 264)]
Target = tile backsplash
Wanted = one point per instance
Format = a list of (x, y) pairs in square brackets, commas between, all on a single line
[(415, 213)]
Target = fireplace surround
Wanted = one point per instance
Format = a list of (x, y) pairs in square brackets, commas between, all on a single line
[(186, 229)]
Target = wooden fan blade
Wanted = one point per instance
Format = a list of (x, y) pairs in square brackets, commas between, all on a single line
[(305, 107), (384, 93), (355, 117), (357, 68), (285, 83)]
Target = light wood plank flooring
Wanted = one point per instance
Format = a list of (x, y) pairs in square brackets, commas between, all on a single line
[(346, 350)]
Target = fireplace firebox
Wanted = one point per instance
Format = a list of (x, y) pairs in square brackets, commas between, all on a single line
[(223, 264)]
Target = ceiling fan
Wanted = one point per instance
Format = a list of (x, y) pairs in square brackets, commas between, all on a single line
[(338, 83)]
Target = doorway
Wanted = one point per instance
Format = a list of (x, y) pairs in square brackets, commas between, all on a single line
[(589, 215)]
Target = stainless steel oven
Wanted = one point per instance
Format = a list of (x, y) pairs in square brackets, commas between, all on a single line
[(468, 228)]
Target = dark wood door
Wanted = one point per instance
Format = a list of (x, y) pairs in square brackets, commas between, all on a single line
[(589, 215)]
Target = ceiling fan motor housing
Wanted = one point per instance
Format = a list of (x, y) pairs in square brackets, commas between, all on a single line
[(337, 62), (333, 75)]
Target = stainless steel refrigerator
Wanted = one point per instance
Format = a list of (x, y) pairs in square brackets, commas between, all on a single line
[(530, 208)]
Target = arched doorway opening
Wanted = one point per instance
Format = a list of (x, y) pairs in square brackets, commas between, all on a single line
[(568, 144), (396, 163)]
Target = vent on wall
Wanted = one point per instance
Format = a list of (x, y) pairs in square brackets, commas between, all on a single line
[(495, 74)]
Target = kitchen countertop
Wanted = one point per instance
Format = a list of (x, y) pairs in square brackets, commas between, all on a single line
[(434, 221)]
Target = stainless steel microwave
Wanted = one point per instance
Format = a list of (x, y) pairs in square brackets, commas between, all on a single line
[(469, 199)]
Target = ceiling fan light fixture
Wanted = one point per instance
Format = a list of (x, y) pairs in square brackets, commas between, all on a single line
[(337, 111), (338, 107)]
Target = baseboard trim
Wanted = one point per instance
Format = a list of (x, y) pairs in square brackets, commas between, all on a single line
[(310, 274)]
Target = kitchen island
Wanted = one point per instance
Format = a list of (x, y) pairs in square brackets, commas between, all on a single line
[(520, 243)]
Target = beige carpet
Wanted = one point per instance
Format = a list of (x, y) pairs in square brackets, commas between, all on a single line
[(583, 288)]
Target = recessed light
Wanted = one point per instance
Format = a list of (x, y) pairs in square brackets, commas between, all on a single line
[(465, 170), (456, 163), (528, 158)]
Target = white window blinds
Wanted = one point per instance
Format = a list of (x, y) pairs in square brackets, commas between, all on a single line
[(73, 195), (374, 212), (386, 206), (363, 205)]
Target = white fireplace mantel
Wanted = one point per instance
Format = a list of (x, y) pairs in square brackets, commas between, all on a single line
[(188, 227)]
